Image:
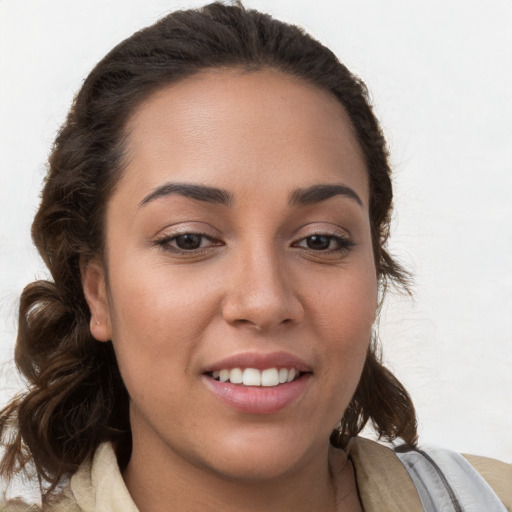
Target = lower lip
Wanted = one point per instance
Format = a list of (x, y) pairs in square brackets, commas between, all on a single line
[(258, 399)]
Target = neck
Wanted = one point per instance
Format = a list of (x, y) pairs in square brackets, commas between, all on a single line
[(157, 478)]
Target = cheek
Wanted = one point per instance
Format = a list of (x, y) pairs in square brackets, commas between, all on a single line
[(345, 312), (158, 319), (153, 299), (345, 302)]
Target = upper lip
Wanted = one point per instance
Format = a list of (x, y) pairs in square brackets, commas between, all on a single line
[(260, 361)]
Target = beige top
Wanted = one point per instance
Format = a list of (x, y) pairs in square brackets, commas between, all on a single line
[(383, 482)]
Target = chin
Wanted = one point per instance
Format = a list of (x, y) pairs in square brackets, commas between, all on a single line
[(258, 468), (264, 455)]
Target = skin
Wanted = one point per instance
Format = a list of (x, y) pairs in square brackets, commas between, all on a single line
[(255, 284)]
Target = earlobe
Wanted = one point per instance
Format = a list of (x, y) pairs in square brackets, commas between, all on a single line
[(95, 290)]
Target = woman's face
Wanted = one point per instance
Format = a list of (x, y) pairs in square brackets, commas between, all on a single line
[(238, 247)]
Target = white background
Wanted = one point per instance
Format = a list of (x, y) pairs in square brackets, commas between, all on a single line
[(441, 80)]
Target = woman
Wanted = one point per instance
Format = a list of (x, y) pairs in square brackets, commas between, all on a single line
[(215, 221)]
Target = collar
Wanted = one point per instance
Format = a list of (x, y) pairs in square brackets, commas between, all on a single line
[(100, 485), (383, 482)]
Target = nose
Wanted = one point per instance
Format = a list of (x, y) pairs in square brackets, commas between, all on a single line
[(261, 293)]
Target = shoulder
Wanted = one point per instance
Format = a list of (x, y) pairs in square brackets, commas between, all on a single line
[(382, 480), (62, 503), (497, 474), (405, 476), (97, 485), (17, 505)]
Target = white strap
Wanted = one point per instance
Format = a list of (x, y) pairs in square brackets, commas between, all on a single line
[(446, 481)]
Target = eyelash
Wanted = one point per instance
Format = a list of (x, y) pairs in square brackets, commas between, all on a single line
[(166, 241), (343, 244)]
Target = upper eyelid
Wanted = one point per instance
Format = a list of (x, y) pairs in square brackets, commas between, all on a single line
[(207, 230), (171, 236), (323, 226), (333, 230), (185, 228)]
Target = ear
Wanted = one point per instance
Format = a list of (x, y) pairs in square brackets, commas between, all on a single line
[(94, 284)]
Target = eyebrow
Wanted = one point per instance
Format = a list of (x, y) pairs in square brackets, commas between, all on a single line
[(198, 192), (322, 192), (300, 197)]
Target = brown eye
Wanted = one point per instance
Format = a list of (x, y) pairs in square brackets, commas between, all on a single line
[(318, 242), (325, 243), (188, 242), (191, 243)]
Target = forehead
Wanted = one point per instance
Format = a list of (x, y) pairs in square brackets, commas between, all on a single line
[(227, 127)]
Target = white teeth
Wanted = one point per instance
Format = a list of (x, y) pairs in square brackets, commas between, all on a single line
[(269, 377), (252, 377), (291, 375), (236, 376)]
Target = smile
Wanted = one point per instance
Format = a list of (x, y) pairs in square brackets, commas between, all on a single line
[(256, 383), (268, 377)]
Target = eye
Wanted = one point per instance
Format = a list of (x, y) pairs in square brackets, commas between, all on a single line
[(189, 241), (319, 242), (324, 243), (186, 242)]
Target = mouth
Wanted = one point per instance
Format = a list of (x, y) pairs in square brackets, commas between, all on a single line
[(255, 383), (268, 377)]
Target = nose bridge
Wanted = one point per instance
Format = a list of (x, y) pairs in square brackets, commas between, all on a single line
[(264, 275), (261, 292)]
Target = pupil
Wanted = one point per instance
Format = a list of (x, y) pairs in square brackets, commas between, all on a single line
[(318, 242), (189, 241)]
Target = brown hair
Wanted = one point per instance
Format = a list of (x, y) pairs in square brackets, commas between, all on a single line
[(76, 398)]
